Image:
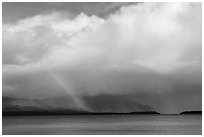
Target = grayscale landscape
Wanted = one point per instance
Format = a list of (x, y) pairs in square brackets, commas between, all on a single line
[(101, 68)]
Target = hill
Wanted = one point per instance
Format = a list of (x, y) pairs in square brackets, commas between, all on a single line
[(103, 104)]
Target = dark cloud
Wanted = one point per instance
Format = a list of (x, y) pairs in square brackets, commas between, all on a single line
[(14, 11), (149, 52)]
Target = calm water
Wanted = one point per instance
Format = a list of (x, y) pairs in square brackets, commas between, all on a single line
[(103, 124)]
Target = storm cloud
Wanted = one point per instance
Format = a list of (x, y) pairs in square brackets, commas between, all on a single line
[(151, 52)]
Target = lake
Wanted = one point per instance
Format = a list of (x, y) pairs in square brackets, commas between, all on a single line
[(102, 125)]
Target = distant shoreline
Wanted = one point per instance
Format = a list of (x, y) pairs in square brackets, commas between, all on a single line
[(41, 113), (191, 112), (56, 113)]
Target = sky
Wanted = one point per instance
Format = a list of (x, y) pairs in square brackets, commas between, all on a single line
[(150, 52)]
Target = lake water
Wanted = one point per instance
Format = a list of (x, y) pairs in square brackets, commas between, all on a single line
[(103, 124)]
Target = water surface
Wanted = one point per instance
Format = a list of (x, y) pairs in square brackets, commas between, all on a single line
[(102, 124)]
